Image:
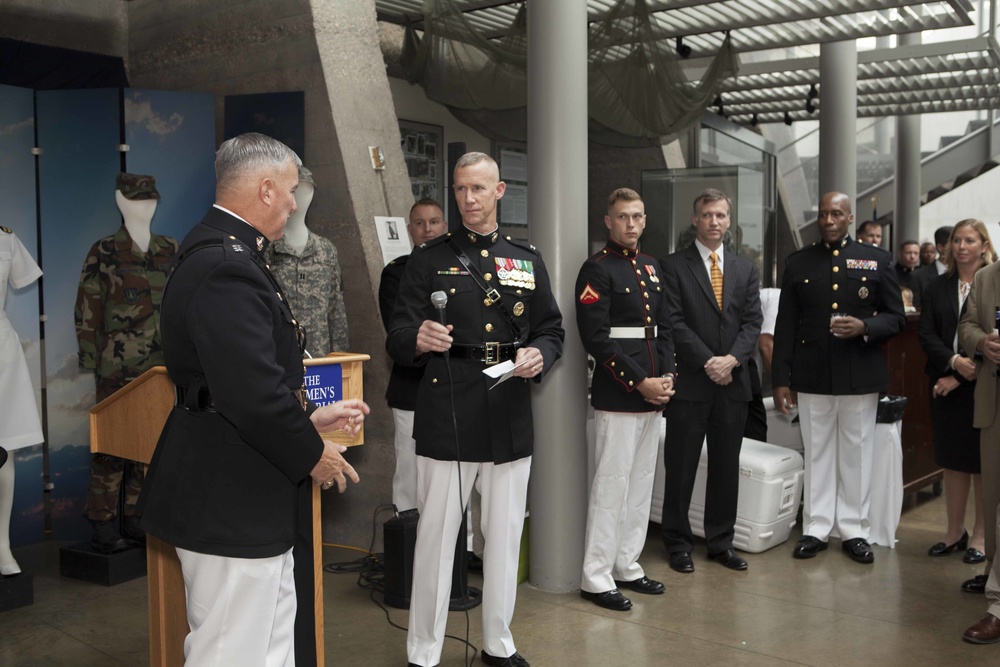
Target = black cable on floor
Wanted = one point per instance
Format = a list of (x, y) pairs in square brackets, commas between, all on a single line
[(370, 571)]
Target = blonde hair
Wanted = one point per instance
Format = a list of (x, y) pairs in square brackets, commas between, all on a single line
[(989, 254)]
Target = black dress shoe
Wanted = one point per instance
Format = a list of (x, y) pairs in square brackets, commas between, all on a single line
[(105, 537), (986, 631), (859, 550), (642, 585), (728, 558), (975, 585), (612, 600), (516, 660), (808, 547), (474, 563), (973, 556), (942, 549), (680, 561)]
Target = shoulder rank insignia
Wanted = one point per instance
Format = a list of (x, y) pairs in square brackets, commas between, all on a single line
[(260, 243), (237, 247), (589, 295)]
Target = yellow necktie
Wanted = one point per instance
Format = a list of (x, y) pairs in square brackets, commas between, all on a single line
[(716, 278)]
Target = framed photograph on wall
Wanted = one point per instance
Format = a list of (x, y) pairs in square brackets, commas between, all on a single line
[(512, 158), (423, 150)]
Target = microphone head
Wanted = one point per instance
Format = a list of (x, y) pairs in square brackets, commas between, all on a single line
[(439, 299)]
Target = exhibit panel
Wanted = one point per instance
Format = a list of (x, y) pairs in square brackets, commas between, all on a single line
[(171, 137), (79, 134), (17, 192)]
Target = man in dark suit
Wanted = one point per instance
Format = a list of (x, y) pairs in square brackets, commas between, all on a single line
[(426, 222), (622, 317), (230, 481), (907, 260), (923, 276), (839, 301), (713, 302), (500, 309)]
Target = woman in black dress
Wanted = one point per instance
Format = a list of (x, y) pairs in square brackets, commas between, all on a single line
[(952, 377)]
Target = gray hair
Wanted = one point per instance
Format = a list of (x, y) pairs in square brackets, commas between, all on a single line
[(249, 154), (470, 159)]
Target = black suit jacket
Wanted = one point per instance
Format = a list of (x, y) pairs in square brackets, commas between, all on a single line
[(404, 382), (939, 320), (922, 278), (846, 277), (701, 330), (231, 481)]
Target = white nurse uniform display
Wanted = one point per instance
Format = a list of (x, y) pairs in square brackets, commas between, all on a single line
[(19, 423)]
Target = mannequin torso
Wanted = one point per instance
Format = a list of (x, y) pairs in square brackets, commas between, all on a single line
[(137, 214)]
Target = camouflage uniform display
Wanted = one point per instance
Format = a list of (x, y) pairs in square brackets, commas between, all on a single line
[(118, 330), (315, 289)]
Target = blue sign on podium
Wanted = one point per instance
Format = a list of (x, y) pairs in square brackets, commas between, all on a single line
[(324, 383)]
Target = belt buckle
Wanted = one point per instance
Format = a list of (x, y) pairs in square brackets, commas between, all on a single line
[(492, 353), (649, 331), (492, 296)]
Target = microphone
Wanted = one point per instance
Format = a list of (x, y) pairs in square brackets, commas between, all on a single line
[(440, 300)]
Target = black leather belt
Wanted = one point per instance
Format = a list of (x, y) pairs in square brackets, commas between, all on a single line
[(487, 353), (203, 402)]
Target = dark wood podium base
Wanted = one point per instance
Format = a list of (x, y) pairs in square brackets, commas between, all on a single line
[(81, 561), (17, 591)]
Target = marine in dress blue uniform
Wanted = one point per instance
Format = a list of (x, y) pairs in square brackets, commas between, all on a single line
[(840, 300), (622, 318), (230, 481), (494, 436)]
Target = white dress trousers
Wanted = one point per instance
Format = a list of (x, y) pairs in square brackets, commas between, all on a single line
[(504, 489), (618, 510), (839, 437), (404, 480), (241, 611)]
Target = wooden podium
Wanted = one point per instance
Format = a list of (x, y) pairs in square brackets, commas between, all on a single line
[(127, 424)]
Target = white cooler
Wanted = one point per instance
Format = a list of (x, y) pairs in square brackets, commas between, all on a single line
[(771, 479)]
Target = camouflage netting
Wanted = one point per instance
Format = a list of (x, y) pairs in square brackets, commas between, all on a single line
[(637, 91)]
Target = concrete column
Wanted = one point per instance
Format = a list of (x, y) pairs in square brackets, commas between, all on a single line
[(907, 186), (838, 89), (557, 211)]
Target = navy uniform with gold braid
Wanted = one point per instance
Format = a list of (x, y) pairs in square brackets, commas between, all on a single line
[(836, 377), (231, 473), (493, 426)]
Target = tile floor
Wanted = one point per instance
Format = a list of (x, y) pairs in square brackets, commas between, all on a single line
[(907, 609)]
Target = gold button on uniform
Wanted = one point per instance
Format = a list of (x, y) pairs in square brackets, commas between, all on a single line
[(645, 295), (806, 281), (836, 253), (488, 276), (489, 327), (648, 320), (864, 279), (434, 380), (612, 364), (835, 306), (836, 269), (630, 383), (484, 253), (622, 374), (647, 306), (628, 291), (452, 290), (836, 287)]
